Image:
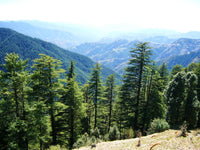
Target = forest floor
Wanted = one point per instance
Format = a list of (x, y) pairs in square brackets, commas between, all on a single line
[(167, 140)]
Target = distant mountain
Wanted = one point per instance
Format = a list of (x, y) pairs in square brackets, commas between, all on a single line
[(161, 36), (46, 31), (183, 60), (183, 52), (29, 48), (115, 55), (180, 47), (112, 47)]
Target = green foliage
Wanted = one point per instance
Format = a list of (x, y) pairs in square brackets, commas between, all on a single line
[(14, 103), (138, 66), (114, 133), (191, 101), (88, 103), (174, 96), (191, 67), (95, 89), (72, 97), (128, 133), (158, 125), (184, 129), (197, 72), (39, 108), (109, 99), (29, 48), (176, 69), (46, 86), (84, 140), (164, 73), (181, 96), (57, 147), (154, 99), (95, 132)]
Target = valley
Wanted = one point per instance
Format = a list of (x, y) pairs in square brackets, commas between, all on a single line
[(112, 50), (65, 88)]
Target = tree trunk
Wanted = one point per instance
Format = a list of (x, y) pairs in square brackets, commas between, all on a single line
[(138, 92), (110, 109), (147, 105), (96, 99), (54, 138), (72, 129)]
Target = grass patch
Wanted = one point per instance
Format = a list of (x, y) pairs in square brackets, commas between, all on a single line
[(163, 140)]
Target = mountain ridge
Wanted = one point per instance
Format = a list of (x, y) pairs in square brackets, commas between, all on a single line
[(116, 54), (28, 47)]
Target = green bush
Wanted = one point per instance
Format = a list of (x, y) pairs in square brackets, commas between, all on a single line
[(184, 129), (57, 147), (128, 133), (86, 140), (82, 141), (158, 125), (95, 133), (113, 133)]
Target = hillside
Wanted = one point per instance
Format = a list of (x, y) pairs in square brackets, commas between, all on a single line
[(113, 49), (59, 37), (63, 35), (29, 48), (164, 140), (180, 47), (115, 55), (184, 60)]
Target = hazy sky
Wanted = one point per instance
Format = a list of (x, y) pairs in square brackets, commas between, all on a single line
[(180, 15)]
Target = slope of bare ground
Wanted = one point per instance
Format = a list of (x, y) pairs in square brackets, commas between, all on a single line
[(169, 139)]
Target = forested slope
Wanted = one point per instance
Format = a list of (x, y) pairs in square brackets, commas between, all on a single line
[(29, 48)]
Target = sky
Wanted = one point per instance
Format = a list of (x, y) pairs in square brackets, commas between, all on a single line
[(178, 15)]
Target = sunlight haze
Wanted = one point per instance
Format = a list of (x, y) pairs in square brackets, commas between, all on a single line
[(179, 15)]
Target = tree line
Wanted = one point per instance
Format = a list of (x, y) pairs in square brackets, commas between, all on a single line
[(47, 106)]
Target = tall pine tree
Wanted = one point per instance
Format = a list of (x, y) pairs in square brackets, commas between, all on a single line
[(72, 98), (191, 101), (174, 95), (46, 86), (95, 89), (138, 64), (110, 95), (14, 104)]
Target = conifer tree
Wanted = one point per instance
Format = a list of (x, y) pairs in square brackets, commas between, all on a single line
[(46, 86), (140, 59), (191, 101), (88, 102), (164, 74), (154, 99), (74, 112), (14, 104), (95, 85), (197, 72), (124, 107), (176, 69), (110, 95), (174, 95)]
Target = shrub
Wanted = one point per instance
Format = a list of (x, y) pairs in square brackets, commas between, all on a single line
[(158, 125), (129, 133), (57, 147), (113, 133), (86, 140), (83, 141), (184, 129), (106, 137), (95, 133)]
